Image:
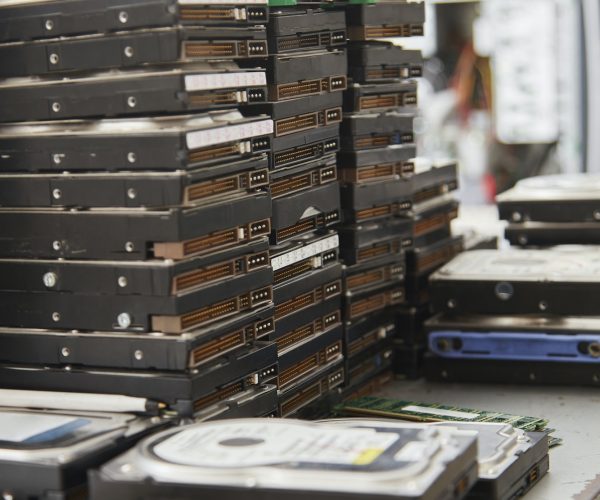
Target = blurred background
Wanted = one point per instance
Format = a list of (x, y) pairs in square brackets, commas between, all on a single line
[(511, 90)]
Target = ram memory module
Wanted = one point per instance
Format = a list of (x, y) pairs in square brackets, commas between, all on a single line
[(372, 406)]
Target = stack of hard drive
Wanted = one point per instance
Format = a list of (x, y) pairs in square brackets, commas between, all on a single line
[(433, 245), (520, 316), (375, 165), (552, 210), (134, 250), (306, 75)]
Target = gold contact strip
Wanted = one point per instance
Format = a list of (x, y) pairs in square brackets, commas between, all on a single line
[(226, 185), (307, 299), (434, 222), (217, 272), (311, 393), (376, 302), (363, 33), (307, 87), (214, 312), (309, 364), (215, 241)]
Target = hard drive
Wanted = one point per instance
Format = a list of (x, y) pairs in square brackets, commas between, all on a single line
[(374, 165), (385, 20), (372, 300), (432, 221), (299, 148), (183, 392), (368, 364), (376, 200), (486, 371), (134, 234), (128, 49), (398, 96), (26, 19), (312, 322), (297, 257), (423, 261), (302, 29), (285, 458), (307, 357), (257, 401), (433, 180), (150, 278), (360, 243), (312, 288), (134, 189), (363, 334), (307, 175), (379, 272), (376, 130), (46, 454), (515, 346), (138, 351), (307, 73), (156, 90), (302, 114), (552, 198), (531, 323), (511, 461), (161, 143), (546, 234), (323, 383), (560, 281), (305, 212), (377, 62), (180, 312)]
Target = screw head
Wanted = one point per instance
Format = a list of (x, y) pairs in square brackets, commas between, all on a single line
[(543, 306), (139, 355), (131, 101), (131, 194), (516, 217), (128, 51), (49, 25), (124, 320), (56, 159), (56, 107), (597, 214), (54, 58), (56, 245), (523, 240), (451, 304), (122, 281), (65, 352), (131, 158), (129, 246), (55, 316), (50, 279), (504, 291), (56, 194), (123, 17)]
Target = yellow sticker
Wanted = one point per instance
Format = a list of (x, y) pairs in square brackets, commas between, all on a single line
[(368, 456)]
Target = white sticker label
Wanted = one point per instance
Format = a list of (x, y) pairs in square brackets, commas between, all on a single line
[(210, 81), (231, 133), (441, 412), (306, 252), (19, 427), (245, 445)]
